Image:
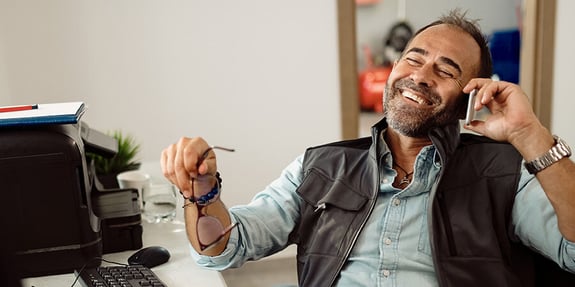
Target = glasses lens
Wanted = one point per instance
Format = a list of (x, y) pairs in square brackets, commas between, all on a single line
[(203, 184), (211, 228)]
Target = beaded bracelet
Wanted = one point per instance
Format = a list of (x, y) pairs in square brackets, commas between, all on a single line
[(207, 198)]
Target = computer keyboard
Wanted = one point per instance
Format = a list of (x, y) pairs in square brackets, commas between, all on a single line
[(119, 276)]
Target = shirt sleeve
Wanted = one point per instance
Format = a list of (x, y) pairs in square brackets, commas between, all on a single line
[(264, 224), (536, 223)]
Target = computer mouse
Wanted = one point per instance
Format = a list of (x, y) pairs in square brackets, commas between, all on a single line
[(150, 256)]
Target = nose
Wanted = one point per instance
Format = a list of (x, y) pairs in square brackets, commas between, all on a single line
[(423, 75)]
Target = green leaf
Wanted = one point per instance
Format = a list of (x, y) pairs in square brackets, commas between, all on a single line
[(124, 160)]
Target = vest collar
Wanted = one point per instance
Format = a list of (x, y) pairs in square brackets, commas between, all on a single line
[(444, 138)]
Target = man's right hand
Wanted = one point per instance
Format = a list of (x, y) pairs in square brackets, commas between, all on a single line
[(185, 160)]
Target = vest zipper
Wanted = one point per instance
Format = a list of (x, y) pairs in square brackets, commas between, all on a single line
[(319, 207), (432, 195), (358, 231)]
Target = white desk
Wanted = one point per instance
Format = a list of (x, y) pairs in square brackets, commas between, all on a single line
[(180, 270)]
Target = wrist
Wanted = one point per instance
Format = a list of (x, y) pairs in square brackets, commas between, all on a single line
[(208, 198), (205, 196), (559, 150), (532, 142)]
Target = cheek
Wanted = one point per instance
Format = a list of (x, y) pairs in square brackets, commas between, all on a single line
[(400, 70), (395, 75)]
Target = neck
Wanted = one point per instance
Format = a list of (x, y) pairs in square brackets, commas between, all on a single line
[(404, 149)]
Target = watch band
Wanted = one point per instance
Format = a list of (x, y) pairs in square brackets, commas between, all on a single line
[(560, 150)]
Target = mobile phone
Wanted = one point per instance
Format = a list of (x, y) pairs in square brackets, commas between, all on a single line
[(470, 110)]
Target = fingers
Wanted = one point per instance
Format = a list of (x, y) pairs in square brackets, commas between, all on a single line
[(486, 91), (185, 160), (501, 92), (510, 108)]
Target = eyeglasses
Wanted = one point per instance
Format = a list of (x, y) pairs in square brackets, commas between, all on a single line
[(212, 230)]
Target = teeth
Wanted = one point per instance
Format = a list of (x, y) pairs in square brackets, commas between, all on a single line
[(413, 97)]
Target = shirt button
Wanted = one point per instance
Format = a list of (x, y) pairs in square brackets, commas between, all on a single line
[(385, 180), (386, 273), (396, 201), (387, 241)]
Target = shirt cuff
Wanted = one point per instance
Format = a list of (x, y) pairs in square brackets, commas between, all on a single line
[(570, 252)]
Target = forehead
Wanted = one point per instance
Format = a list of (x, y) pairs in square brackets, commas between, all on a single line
[(451, 42)]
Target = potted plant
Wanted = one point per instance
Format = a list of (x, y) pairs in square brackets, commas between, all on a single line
[(107, 168)]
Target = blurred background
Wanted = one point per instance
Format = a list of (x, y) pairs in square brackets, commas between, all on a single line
[(384, 27)]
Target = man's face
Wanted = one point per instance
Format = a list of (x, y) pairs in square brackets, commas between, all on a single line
[(424, 89)]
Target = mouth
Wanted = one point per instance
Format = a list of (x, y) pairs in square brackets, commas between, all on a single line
[(415, 98)]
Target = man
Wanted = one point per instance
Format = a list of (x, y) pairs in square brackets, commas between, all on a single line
[(417, 204)]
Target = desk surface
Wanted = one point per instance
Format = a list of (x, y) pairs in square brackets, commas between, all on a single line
[(180, 270)]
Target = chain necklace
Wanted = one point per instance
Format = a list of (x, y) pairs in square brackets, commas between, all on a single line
[(405, 179)]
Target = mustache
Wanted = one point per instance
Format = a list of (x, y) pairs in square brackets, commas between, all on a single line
[(428, 92)]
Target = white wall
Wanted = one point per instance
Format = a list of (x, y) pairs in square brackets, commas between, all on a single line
[(5, 97), (563, 98), (259, 76)]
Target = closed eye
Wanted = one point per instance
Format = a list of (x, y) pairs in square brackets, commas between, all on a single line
[(445, 74), (413, 62)]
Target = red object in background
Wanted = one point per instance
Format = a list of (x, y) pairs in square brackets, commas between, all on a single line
[(371, 84)]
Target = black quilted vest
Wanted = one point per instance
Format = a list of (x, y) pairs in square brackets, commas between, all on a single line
[(469, 213)]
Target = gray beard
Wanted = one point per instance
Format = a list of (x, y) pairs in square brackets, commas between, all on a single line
[(413, 122)]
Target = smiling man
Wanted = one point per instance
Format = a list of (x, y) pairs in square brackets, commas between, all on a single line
[(415, 204), (428, 69)]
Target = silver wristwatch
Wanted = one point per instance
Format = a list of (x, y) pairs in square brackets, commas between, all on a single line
[(560, 150)]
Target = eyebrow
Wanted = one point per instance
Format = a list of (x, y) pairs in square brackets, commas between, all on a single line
[(445, 60)]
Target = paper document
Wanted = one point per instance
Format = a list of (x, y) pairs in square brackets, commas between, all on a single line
[(56, 113)]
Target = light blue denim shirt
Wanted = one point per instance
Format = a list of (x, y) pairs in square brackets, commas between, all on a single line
[(393, 249)]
